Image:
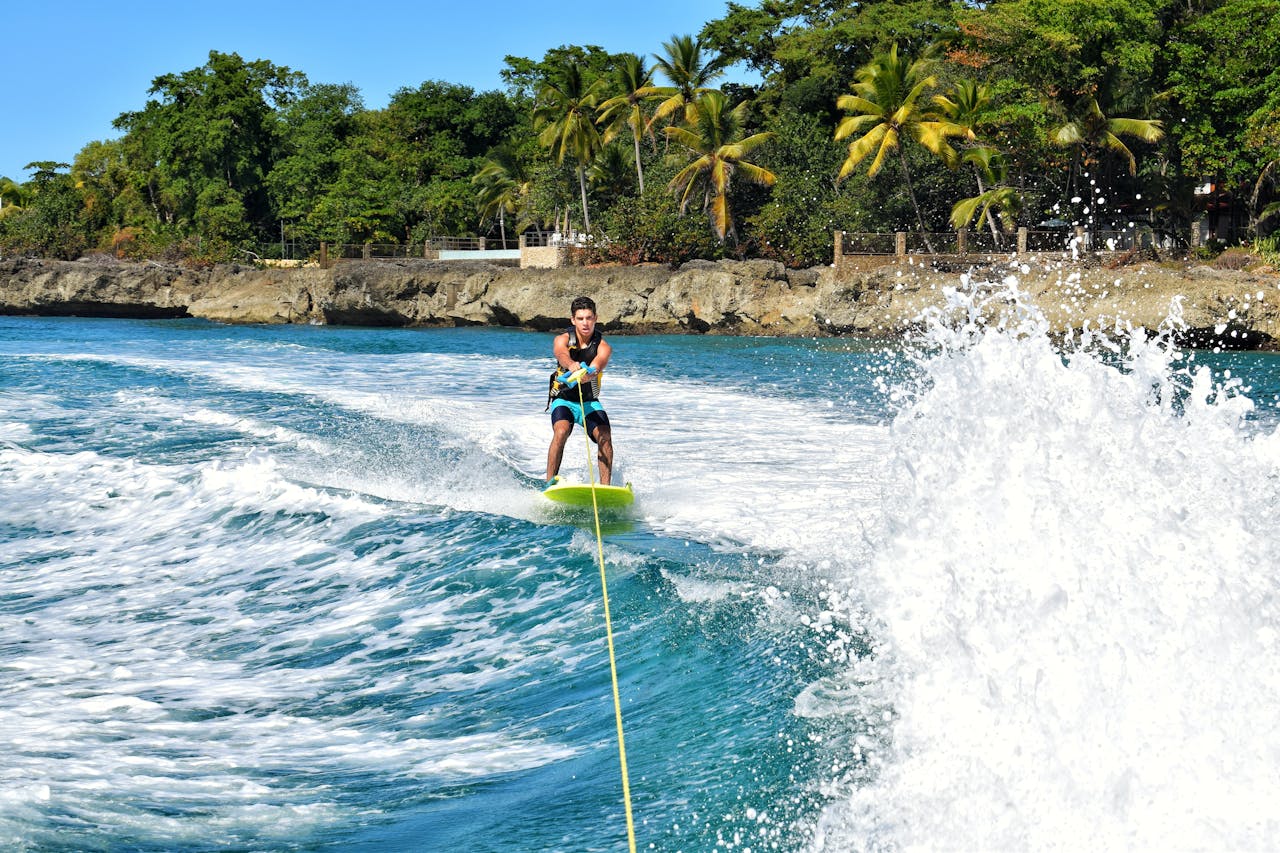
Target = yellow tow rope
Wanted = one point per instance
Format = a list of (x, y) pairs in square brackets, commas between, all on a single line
[(608, 629)]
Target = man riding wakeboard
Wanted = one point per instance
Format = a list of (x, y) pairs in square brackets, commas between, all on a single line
[(581, 355)]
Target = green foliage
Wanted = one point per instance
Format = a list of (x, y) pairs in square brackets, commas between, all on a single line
[(996, 202), (1066, 96), (612, 175), (807, 50), (565, 119), (1268, 248), (689, 70), (631, 86), (719, 147), (1070, 48), (1224, 91), (796, 224), (317, 130), (524, 77), (887, 108), (51, 224), (202, 150), (651, 229)]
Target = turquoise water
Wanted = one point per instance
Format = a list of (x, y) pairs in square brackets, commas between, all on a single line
[(295, 588)]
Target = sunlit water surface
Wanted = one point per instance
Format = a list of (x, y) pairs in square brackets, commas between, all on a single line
[(295, 588)]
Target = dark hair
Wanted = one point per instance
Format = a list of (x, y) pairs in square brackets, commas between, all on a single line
[(580, 303)]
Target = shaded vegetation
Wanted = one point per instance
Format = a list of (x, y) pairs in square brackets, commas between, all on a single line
[(875, 116)]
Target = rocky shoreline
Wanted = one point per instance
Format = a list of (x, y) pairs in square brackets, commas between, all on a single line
[(1235, 309)]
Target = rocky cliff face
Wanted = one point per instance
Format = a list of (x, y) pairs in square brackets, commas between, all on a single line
[(732, 297)]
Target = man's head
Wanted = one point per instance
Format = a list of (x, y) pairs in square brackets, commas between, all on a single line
[(583, 314)]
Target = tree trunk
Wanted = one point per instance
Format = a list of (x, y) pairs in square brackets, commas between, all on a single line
[(582, 185), (502, 226), (991, 220), (1254, 218), (906, 173), (982, 190), (635, 136)]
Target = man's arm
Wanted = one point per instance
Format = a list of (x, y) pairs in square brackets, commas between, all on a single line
[(561, 351), (602, 355)]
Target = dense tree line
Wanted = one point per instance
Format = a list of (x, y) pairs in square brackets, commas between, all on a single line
[(874, 116)]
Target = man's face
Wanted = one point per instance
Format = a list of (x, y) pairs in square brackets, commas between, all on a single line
[(584, 323)]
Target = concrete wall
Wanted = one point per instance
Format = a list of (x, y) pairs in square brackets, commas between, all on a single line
[(543, 257)]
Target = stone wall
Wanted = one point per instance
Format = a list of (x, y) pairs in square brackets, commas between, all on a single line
[(725, 297)]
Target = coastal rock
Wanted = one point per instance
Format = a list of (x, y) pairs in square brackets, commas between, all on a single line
[(1229, 308)]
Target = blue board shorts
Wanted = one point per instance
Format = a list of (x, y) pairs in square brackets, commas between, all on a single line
[(563, 410)]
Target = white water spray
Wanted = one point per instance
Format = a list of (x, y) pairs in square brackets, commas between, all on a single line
[(1075, 597)]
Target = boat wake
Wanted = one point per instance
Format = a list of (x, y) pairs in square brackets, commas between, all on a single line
[(1074, 607)]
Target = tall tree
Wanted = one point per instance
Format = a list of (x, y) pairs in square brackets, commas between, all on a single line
[(690, 74), (1092, 135), (967, 105), (201, 150), (633, 85), (497, 195), (996, 200), (807, 50), (434, 137), (565, 118), (611, 175), (886, 107), (1069, 48), (317, 131), (1223, 96), (504, 184), (100, 175), (719, 151)]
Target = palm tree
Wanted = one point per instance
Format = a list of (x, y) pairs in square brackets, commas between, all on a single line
[(1001, 201), (1089, 130), (565, 117), (498, 195), (690, 77), (1270, 172), (719, 152), (886, 107), (634, 85), (966, 105), (609, 173)]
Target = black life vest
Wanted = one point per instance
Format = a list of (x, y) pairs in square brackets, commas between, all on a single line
[(585, 354)]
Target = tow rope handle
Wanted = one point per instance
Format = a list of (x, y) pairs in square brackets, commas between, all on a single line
[(572, 378)]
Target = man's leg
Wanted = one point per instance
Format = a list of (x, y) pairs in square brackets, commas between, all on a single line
[(559, 435), (604, 452)]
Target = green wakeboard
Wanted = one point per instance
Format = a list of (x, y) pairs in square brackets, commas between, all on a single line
[(579, 494)]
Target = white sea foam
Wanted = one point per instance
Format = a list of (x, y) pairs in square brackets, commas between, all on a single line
[(1076, 607), (152, 614), (166, 408), (795, 465)]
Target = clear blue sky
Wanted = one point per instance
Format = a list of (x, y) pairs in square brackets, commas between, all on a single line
[(67, 69)]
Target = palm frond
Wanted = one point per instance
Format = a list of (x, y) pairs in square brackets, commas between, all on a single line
[(756, 174), (849, 125), (1146, 130), (887, 144), (687, 138), (856, 103)]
